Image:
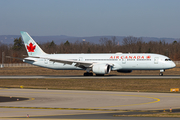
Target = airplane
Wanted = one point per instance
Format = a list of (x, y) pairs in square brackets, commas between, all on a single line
[(100, 64)]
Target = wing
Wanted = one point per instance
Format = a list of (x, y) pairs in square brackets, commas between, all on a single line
[(82, 64)]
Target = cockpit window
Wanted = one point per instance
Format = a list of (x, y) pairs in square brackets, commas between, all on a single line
[(168, 60)]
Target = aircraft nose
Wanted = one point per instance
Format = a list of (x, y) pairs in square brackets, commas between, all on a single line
[(173, 64)]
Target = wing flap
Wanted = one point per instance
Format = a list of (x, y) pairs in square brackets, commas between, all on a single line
[(62, 61), (81, 64)]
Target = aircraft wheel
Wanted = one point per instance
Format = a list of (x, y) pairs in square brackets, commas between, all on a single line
[(88, 74), (85, 74), (99, 74), (160, 74)]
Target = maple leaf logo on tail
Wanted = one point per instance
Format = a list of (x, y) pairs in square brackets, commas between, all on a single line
[(31, 47)]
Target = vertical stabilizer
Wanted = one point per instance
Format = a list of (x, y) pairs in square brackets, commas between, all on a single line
[(31, 46)]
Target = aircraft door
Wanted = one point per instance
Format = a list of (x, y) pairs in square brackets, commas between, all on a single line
[(156, 60), (80, 58), (123, 61), (46, 61)]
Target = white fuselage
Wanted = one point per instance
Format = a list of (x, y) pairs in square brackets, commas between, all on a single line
[(120, 61)]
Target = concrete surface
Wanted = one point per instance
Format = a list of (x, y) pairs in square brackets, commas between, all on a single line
[(70, 102)]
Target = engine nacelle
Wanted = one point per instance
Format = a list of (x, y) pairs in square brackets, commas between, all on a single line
[(124, 71), (101, 69)]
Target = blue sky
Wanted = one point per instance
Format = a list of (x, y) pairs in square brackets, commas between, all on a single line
[(139, 18)]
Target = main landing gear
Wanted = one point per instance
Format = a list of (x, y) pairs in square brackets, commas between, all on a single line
[(99, 74), (88, 74), (161, 72)]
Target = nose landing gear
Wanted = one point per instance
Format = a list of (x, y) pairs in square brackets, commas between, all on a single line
[(161, 72)]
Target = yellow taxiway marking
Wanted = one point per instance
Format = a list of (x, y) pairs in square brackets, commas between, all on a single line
[(92, 108), (60, 108), (156, 100), (68, 114), (22, 110), (46, 119)]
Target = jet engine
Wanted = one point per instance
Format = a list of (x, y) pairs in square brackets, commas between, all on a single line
[(101, 69), (124, 71)]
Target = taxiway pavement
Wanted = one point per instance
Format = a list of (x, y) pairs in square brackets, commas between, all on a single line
[(58, 104)]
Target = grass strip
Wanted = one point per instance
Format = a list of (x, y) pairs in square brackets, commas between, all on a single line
[(141, 85)]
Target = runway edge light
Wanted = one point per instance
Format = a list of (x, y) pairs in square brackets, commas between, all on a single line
[(174, 90)]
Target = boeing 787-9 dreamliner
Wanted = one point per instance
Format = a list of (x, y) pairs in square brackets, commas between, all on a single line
[(99, 64)]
